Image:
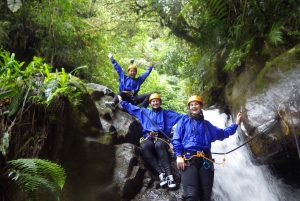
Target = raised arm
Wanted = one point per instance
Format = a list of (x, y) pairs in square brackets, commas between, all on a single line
[(146, 73), (118, 68)]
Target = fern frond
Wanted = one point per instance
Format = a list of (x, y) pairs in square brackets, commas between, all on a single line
[(35, 174), (218, 8), (275, 36)]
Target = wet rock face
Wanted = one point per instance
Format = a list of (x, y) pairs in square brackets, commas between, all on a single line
[(133, 181), (122, 126), (106, 156), (270, 102)]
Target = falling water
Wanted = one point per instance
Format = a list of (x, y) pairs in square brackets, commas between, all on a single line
[(239, 179)]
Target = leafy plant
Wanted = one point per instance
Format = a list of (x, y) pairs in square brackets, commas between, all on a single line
[(34, 82), (36, 176), (275, 36)]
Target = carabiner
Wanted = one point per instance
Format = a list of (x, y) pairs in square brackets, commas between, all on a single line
[(206, 164)]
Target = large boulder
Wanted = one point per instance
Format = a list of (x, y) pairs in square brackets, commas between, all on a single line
[(270, 104)]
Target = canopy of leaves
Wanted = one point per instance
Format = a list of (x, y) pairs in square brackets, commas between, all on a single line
[(212, 39), (197, 46)]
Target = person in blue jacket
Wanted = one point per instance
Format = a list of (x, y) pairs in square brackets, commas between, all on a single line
[(156, 123), (193, 135), (129, 86)]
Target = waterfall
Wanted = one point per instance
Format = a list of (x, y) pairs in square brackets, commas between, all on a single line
[(239, 179)]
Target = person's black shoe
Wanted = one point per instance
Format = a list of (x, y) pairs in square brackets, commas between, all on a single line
[(110, 105)]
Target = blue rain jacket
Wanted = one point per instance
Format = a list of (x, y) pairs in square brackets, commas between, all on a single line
[(164, 119), (191, 135), (127, 83)]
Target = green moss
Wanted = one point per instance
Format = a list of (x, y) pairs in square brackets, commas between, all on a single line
[(105, 139), (284, 62)]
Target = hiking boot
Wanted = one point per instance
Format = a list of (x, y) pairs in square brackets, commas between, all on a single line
[(171, 182), (110, 105), (119, 106), (163, 179)]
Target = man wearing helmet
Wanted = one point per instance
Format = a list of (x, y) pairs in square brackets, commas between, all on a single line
[(191, 140), (129, 85), (157, 124)]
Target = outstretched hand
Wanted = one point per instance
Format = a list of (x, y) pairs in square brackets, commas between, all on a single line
[(151, 64), (110, 55), (238, 118)]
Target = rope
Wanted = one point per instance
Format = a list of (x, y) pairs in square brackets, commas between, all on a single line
[(201, 154), (246, 141)]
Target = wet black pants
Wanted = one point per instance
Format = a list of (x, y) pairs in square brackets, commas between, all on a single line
[(197, 181), (135, 100), (154, 152)]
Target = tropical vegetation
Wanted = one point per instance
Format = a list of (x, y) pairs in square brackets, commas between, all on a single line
[(52, 48)]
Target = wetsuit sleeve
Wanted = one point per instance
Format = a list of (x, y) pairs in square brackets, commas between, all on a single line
[(132, 109), (177, 138), (173, 117), (220, 134), (118, 68), (145, 75), (139, 113)]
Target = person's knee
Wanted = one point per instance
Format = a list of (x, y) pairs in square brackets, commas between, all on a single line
[(206, 193), (145, 146), (191, 193), (161, 144)]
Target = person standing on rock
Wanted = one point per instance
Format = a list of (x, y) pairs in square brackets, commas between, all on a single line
[(157, 124), (192, 144), (129, 86)]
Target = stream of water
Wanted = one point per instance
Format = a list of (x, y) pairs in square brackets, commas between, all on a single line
[(239, 179)]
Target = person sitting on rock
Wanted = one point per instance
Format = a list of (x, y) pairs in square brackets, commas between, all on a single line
[(157, 124), (129, 85)]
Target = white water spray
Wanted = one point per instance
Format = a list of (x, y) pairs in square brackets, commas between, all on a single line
[(239, 179)]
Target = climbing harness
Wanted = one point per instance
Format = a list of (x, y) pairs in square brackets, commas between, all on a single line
[(282, 114), (200, 154), (131, 94), (154, 135), (292, 102), (295, 135), (142, 139)]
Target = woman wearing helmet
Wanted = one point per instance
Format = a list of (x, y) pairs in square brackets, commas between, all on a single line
[(193, 135), (157, 124), (129, 85)]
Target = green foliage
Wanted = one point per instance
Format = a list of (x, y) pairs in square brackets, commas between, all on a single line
[(62, 84), (275, 36), (234, 60), (37, 177), (34, 82), (13, 81), (36, 77), (170, 89), (4, 32), (212, 36)]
